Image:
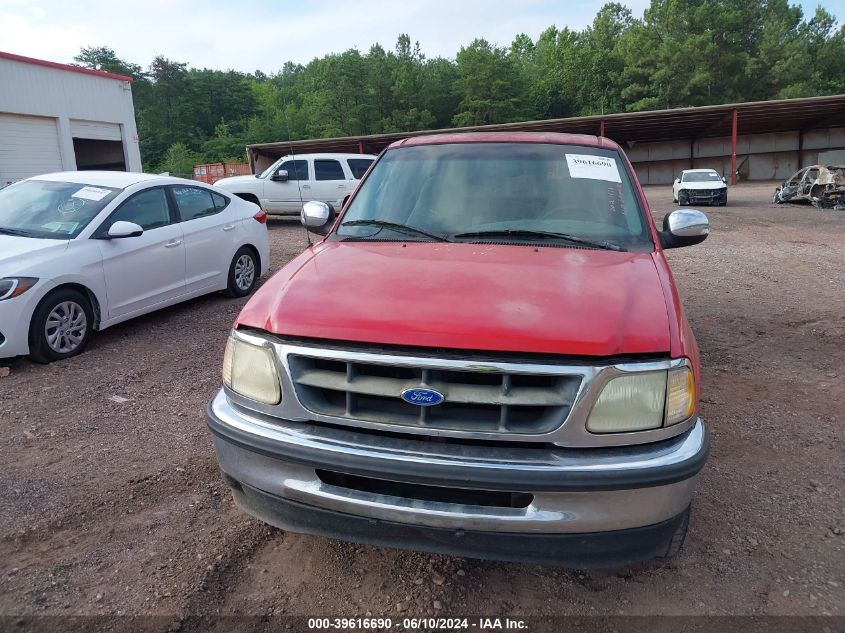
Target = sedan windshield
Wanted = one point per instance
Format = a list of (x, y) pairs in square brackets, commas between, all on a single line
[(702, 176), (547, 194), (49, 209)]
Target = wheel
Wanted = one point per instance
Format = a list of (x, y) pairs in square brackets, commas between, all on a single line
[(243, 273), (61, 326), (683, 199), (777, 199), (677, 540)]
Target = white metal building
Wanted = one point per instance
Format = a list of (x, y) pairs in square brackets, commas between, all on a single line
[(55, 117)]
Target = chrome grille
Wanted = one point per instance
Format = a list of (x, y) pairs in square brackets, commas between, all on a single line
[(474, 400)]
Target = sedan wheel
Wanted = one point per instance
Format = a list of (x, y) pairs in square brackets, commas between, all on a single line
[(61, 326), (66, 327), (243, 273)]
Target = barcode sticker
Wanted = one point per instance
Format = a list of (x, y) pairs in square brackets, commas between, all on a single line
[(91, 193), (593, 167)]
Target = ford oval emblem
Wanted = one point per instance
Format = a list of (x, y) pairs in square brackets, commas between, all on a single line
[(422, 396)]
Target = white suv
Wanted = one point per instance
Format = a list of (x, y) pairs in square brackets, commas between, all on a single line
[(282, 188)]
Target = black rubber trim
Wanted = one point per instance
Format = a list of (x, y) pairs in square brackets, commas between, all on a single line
[(587, 550), (460, 475)]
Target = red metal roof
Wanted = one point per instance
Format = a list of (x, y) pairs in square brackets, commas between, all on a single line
[(76, 69), (507, 137)]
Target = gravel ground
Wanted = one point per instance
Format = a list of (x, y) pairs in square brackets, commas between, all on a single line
[(116, 507)]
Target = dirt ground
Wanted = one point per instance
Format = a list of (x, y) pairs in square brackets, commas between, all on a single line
[(116, 507)]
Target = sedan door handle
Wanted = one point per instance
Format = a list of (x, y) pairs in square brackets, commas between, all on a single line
[(228, 227), (172, 243)]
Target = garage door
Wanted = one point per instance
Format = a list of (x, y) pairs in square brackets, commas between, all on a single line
[(95, 130), (28, 146)]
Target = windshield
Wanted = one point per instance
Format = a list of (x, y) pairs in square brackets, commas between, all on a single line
[(450, 190), (702, 176), (271, 168), (48, 209)]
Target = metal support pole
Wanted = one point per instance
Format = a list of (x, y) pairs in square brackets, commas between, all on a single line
[(734, 125), (800, 148)]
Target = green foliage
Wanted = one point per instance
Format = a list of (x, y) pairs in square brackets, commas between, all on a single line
[(680, 53), (179, 160)]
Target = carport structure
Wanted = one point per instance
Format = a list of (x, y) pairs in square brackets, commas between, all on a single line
[(760, 140)]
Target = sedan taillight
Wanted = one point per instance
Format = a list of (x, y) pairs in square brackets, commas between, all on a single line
[(260, 217)]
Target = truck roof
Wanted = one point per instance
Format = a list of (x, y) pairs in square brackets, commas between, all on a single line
[(507, 137)]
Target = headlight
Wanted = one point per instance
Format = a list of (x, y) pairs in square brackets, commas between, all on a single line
[(643, 401), (250, 370), (11, 287)]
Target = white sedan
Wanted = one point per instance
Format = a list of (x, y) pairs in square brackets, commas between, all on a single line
[(81, 251)]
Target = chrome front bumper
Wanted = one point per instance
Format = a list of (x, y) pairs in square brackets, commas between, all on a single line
[(573, 490)]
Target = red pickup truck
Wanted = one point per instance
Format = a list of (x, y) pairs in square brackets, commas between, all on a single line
[(485, 356)]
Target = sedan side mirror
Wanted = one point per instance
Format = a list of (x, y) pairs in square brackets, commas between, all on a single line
[(317, 217), (280, 176), (684, 227), (724, 180), (121, 229)]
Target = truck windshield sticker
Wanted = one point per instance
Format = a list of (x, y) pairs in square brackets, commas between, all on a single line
[(593, 167), (91, 193)]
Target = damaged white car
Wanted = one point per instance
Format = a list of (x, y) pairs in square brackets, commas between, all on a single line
[(699, 186), (823, 186)]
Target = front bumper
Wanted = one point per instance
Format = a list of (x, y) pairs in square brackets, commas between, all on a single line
[(584, 502), (15, 316), (709, 197)]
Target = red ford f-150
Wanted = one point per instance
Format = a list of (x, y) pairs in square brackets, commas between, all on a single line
[(485, 356)]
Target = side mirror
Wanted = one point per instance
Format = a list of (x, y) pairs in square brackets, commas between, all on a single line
[(724, 180), (280, 176), (684, 227), (121, 229), (317, 217)]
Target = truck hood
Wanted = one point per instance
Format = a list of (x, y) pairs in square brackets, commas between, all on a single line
[(21, 255), (250, 182), (713, 184), (468, 296)]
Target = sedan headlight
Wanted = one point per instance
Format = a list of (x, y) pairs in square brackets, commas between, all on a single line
[(11, 287), (644, 401), (250, 370)]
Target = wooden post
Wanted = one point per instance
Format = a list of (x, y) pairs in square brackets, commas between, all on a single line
[(360, 147), (601, 127)]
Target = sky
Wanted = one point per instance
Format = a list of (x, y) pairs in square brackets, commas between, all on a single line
[(249, 35)]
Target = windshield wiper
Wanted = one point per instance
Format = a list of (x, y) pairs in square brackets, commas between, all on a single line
[(528, 233), (397, 227), (16, 232)]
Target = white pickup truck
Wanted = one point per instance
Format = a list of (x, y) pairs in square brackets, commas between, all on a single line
[(283, 186)]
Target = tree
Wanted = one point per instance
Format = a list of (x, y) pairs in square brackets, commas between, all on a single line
[(678, 53), (489, 84), (179, 160), (105, 59)]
